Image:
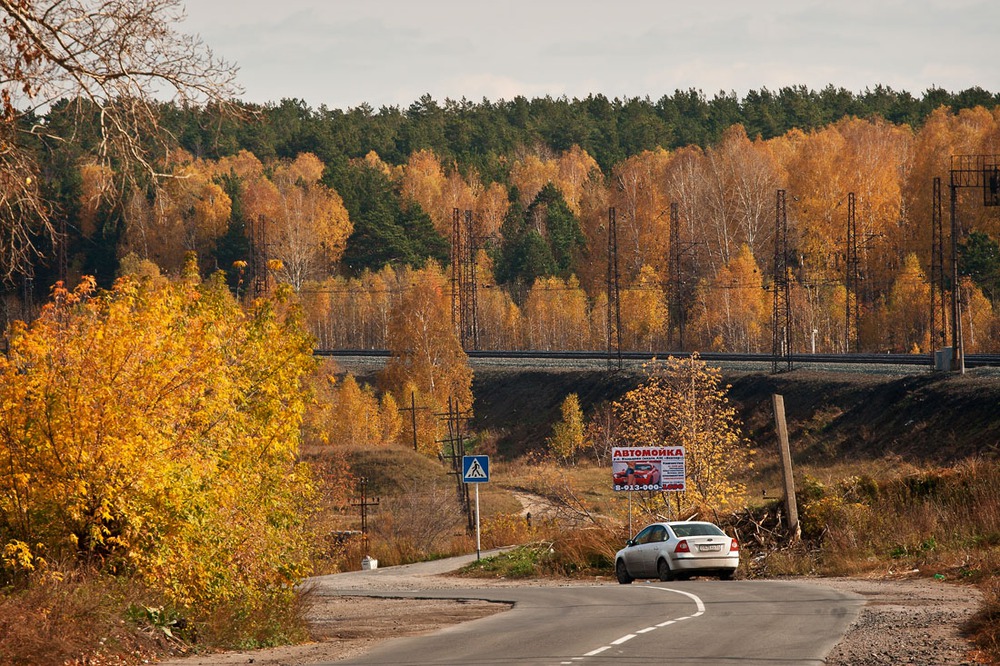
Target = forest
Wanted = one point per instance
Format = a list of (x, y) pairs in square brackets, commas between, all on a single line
[(512, 202)]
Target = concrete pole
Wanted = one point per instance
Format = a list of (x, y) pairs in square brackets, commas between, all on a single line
[(786, 466)]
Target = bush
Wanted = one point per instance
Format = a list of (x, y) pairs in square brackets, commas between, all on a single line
[(152, 434)]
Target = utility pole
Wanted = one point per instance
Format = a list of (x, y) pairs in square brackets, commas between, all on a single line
[(469, 287), (464, 287), (679, 289), (781, 330), (939, 318), (791, 505), (456, 272), (852, 322), (980, 172), (614, 307), (258, 255), (412, 409), (364, 503), (454, 451)]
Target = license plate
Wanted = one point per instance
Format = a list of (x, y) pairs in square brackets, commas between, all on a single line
[(713, 547)]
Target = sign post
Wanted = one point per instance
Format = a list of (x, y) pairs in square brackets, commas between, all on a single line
[(476, 469)]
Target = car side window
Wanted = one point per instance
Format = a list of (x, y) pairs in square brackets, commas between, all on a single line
[(644, 536)]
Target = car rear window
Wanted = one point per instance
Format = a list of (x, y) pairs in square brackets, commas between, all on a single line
[(696, 529)]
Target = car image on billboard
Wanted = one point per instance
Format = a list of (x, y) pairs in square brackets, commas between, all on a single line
[(637, 475)]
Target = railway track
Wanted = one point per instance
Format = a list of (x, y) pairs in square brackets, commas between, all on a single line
[(926, 360)]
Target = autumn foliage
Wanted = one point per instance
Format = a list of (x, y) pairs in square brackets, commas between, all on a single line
[(683, 402), (152, 430)]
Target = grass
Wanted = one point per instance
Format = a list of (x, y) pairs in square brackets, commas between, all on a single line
[(56, 622)]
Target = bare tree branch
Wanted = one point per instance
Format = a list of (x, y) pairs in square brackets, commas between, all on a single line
[(115, 60)]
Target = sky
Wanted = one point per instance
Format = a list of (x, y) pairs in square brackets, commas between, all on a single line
[(343, 53)]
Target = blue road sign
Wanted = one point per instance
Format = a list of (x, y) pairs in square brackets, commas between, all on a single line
[(475, 469)]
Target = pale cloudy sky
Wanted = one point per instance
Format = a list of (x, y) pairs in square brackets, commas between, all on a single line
[(342, 53)]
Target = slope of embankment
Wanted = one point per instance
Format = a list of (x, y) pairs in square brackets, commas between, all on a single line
[(919, 416)]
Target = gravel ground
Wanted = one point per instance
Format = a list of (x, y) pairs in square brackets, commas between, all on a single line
[(910, 621)]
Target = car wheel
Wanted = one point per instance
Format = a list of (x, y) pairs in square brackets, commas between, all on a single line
[(663, 569), (727, 575), (621, 573)]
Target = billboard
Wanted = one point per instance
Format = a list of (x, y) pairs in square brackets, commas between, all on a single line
[(648, 468)]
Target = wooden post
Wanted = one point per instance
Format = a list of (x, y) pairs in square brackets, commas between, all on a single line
[(786, 466)]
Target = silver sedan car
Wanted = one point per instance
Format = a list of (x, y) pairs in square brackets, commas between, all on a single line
[(678, 550)]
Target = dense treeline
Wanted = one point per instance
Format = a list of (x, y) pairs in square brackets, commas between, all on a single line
[(485, 135), (343, 201)]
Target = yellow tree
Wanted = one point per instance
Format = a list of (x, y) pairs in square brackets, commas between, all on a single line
[(567, 434), (191, 212), (740, 179), (350, 415), (154, 429), (96, 184), (554, 312), (423, 183), (354, 416), (426, 354), (978, 321), (644, 312), (491, 208), (310, 230), (575, 168), (732, 310), (818, 179), (530, 175), (875, 161), (500, 320), (683, 402), (906, 324)]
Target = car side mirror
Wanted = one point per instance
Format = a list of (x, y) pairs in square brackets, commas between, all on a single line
[(630, 543)]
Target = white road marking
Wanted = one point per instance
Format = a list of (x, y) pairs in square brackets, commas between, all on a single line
[(698, 603)]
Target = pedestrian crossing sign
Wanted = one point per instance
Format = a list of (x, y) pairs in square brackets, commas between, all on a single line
[(475, 469)]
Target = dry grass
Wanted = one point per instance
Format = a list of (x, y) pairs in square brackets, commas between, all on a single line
[(75, 617), (984, 628), (72, 621)]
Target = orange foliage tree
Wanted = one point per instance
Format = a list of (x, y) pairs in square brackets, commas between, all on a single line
[(190, 213)]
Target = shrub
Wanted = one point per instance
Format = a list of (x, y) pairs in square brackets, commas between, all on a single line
[(152, 432)]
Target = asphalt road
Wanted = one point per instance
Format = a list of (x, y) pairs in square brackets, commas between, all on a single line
[(703, 622)]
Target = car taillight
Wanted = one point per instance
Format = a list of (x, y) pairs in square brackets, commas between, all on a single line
[(734, 546), (682, 547)]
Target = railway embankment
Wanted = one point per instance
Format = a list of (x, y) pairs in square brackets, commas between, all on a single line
[(916, 414)]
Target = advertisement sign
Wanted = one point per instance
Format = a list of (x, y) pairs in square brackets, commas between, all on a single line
[(648, 468)]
